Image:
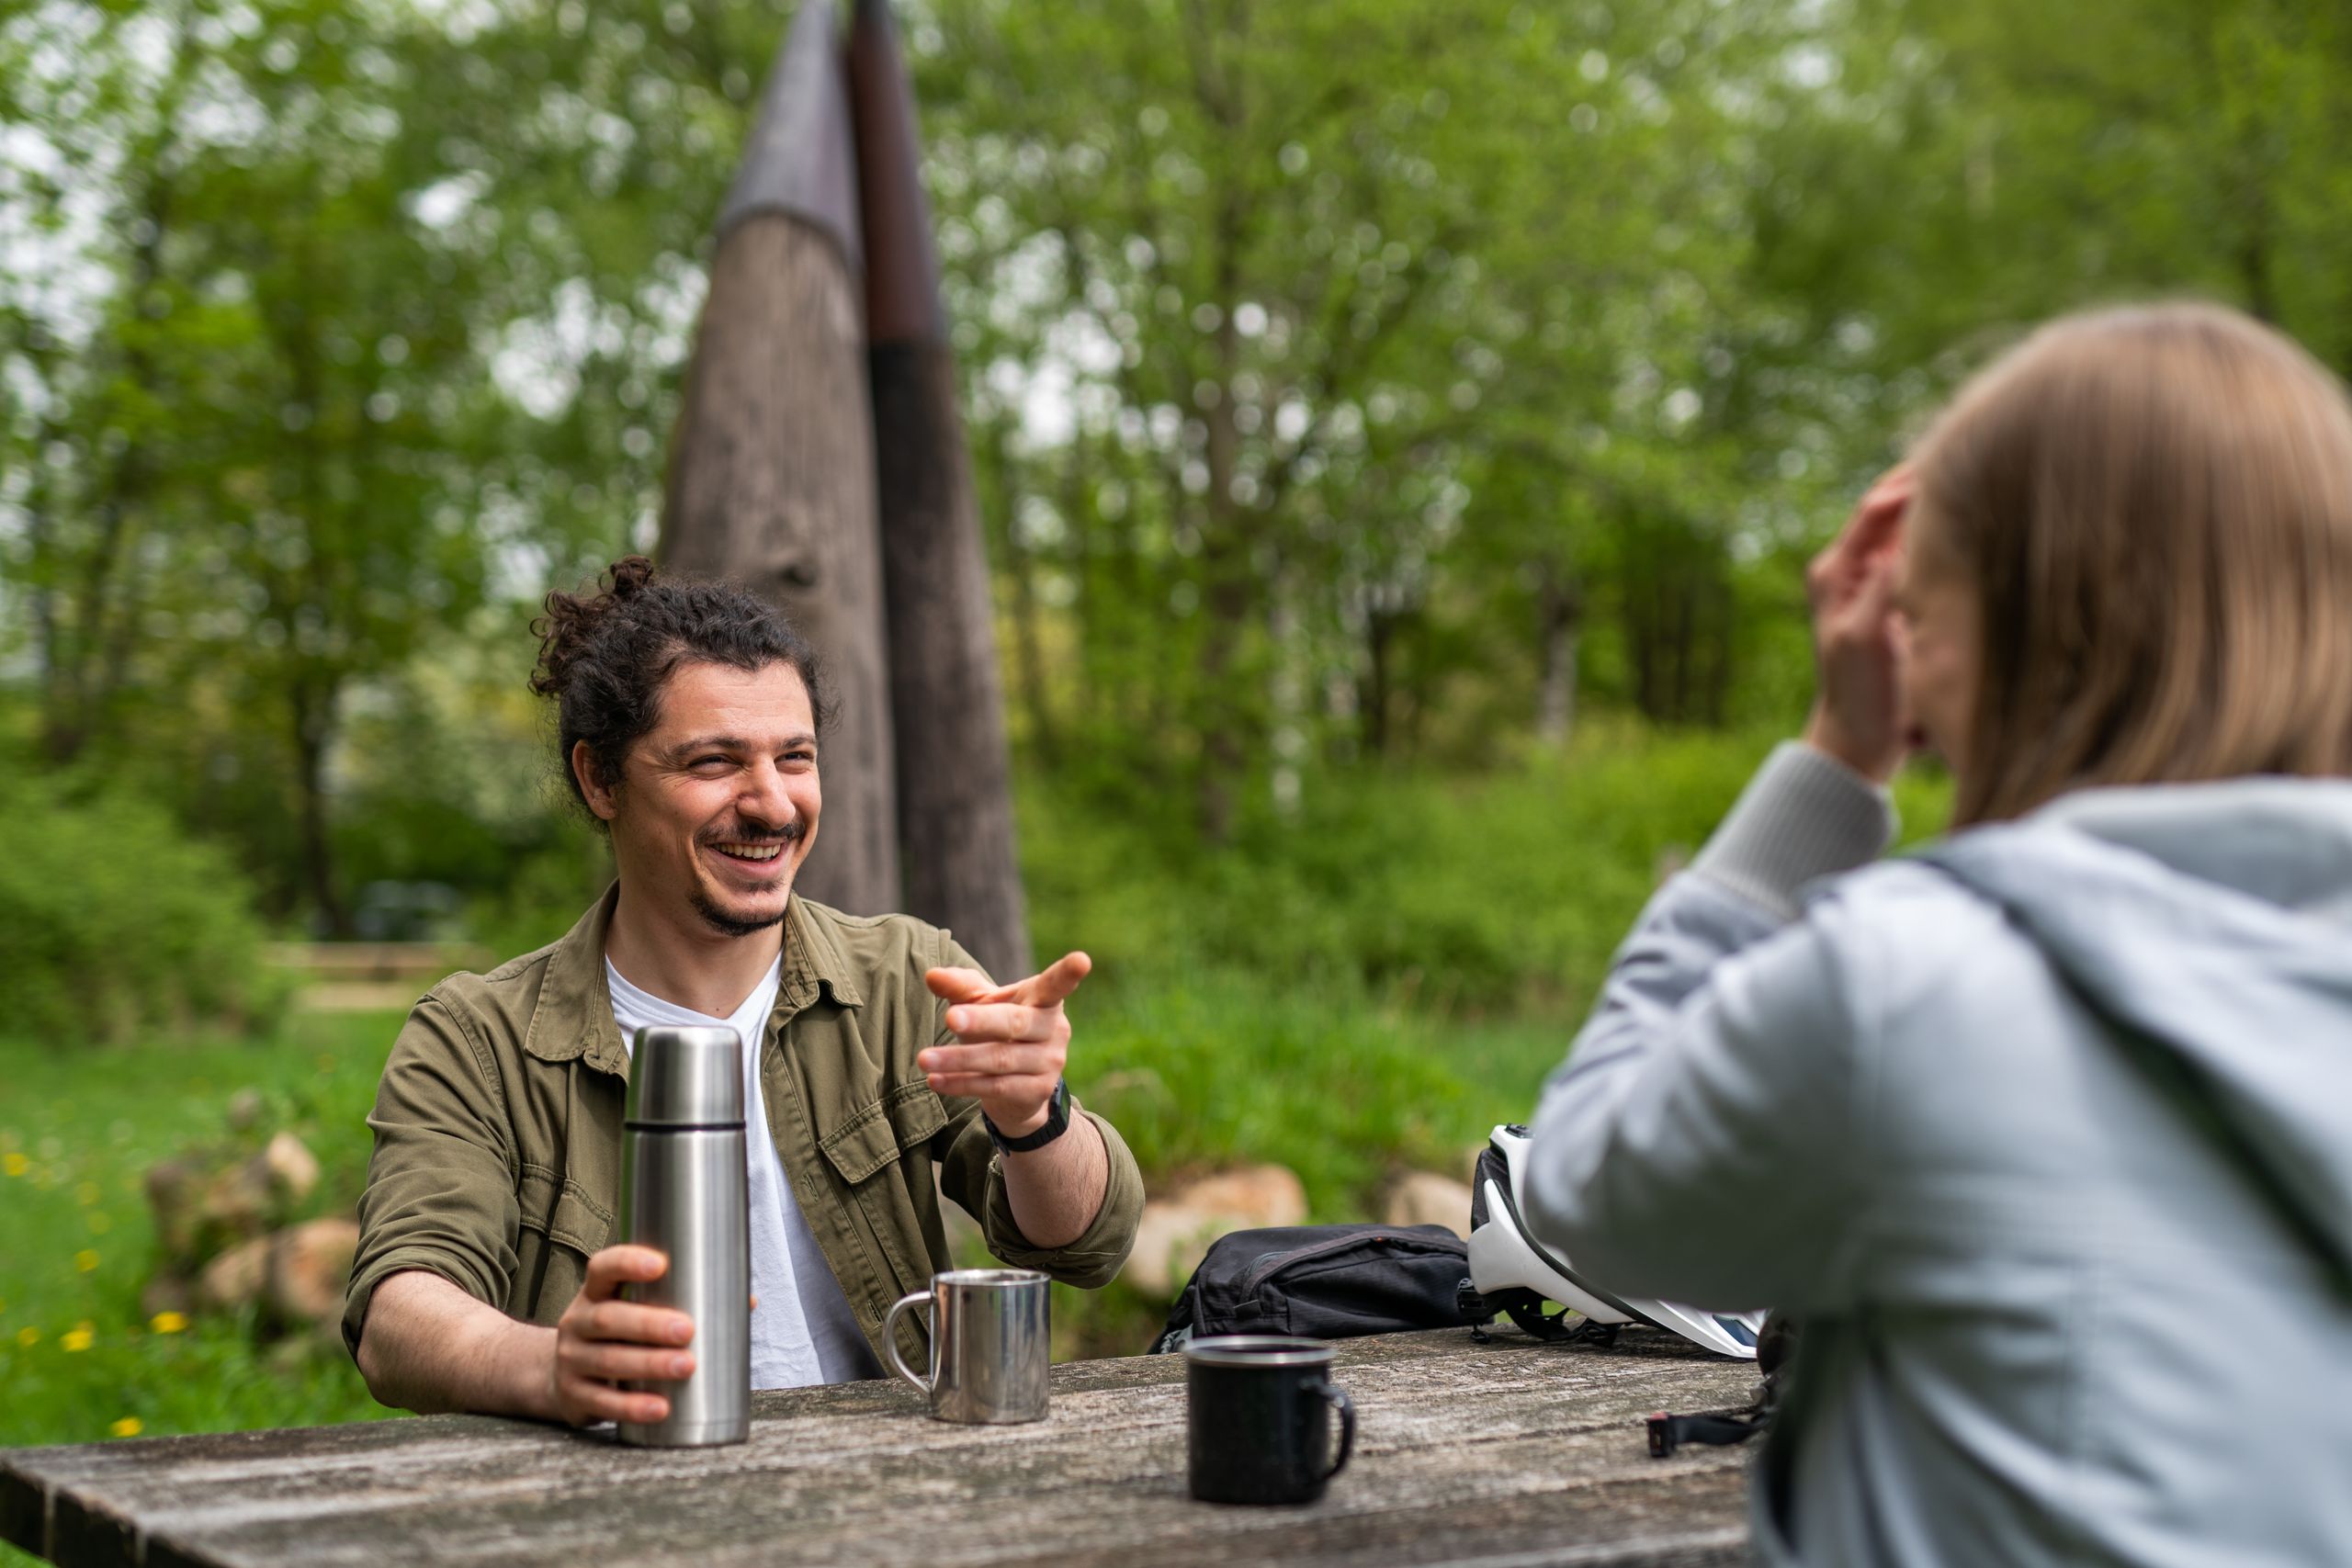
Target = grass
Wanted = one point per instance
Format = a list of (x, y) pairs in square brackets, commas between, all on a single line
[(79, 1361), (78, 1358)]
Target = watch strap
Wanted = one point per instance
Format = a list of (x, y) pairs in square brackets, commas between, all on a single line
[(1057, 1122)]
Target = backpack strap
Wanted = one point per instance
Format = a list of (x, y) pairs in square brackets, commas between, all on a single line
[(1718, 1427)]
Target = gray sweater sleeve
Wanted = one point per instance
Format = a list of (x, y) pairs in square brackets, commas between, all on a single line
[(1804, 815), (1698, 1143)]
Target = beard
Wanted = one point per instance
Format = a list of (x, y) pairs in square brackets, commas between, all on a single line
[(727, 924), (725, 921)]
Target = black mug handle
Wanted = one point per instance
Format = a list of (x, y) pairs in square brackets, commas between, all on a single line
[(1337, 1398)]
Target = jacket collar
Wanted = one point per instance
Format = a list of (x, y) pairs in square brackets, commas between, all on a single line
[(573, 1016)]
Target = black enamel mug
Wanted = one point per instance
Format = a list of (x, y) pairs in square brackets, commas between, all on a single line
[(1259, 1418)]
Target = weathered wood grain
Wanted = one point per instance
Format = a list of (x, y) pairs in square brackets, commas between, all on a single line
[(1499, 1455)]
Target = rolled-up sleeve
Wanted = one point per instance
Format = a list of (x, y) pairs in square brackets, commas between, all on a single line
[(972, 1173), (440, 1192)]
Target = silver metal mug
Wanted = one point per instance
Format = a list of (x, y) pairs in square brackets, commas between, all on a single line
[(990, 1345)]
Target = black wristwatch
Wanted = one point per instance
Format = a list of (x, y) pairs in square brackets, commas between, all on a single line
[(1057, 1122)]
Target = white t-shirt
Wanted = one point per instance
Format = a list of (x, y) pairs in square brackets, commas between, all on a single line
[(803, 1330)]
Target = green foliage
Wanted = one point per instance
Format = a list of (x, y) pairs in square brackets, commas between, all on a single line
[(1496, 892), (116, 921), (1350, 381)]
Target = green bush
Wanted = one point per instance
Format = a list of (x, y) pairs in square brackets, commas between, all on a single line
[(116, 921), (1498, 893)]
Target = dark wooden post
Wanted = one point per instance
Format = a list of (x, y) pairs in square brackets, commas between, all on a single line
[(956, 832), (772, 472)]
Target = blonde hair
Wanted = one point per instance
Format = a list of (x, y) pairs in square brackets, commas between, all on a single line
[(2154, 508)]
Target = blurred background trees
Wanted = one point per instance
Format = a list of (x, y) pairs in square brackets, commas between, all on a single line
[(1353, 388), (1398, 429)]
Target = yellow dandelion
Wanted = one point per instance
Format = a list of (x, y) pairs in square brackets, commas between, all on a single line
[(86, 1260), (14, 1163), (168, 1322), (81, 1336), (100, 1223), (129, 1426), (28, 1337), (85, 1193)]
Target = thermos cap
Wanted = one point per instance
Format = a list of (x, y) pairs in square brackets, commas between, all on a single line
[(680, 1076)]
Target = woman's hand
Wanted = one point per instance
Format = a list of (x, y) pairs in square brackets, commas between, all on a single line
[(1857, 710)]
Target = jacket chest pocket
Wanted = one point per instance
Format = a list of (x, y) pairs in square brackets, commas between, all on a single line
[(872, 1142), (876, 1135)]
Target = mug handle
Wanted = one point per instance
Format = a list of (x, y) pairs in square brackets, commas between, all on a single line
[(1337, 1398), (890, 1341)]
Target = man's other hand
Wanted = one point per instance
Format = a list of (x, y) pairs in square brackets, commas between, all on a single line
[(1013, 1041), (602, 1340)]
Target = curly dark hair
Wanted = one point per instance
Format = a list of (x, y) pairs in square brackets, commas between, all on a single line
[(604, 657)]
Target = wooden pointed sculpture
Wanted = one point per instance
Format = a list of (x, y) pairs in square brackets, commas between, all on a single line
[(772, 472), (955, 829)]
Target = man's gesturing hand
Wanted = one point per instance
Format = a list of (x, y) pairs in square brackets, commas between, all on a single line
[(1014, 1041), (602, 1340)]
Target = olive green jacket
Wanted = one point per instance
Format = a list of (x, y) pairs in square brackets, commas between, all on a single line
[(498, 1127)]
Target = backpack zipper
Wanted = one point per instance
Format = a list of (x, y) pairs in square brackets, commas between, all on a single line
[(1281, 1260)]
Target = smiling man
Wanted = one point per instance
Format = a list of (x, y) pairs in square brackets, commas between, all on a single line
[(882, 1063)]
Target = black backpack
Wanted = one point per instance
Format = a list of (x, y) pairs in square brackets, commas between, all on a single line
[(1325, 1282)]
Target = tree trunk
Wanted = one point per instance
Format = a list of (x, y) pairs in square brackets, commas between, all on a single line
[(1379, 633), (1229, 595), (312, 711), (955, 775), (771, 484), (1559, 630)]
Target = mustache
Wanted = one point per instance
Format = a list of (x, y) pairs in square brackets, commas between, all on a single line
[(744, 833)]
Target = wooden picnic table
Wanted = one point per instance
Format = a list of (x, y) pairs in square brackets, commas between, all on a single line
[(1507, 1454)]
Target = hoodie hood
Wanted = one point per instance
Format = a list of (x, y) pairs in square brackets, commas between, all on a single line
[(2212, 924)]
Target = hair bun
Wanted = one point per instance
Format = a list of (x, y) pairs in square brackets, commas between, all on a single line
[(572, 620), (629, 577)]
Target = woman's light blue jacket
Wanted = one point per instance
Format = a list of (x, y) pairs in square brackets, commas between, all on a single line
[(2043, 1137)]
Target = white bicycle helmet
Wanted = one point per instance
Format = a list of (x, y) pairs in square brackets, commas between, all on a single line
[(1516, 1274)]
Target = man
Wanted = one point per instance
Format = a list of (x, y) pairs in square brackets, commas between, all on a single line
[(690, 716)]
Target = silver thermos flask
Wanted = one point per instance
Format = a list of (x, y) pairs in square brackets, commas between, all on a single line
[(683, 1193)]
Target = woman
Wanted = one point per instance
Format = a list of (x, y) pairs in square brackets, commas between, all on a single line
[(2044, 1137)]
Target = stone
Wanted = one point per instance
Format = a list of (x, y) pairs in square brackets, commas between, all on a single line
[(236, 1201), (293, 1169), (236, 1277), (174, 1188), (1255, 1194), (309, 1265), (1169, 1244), (1425, 1197), (1175, 1232)]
